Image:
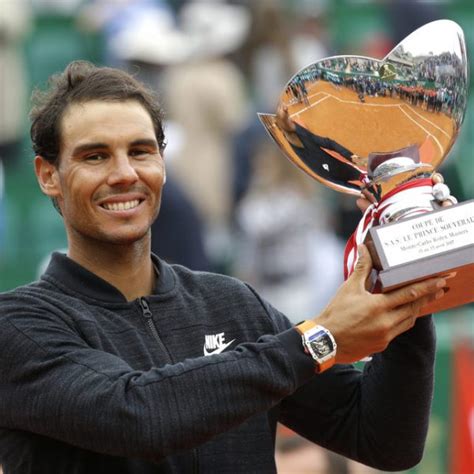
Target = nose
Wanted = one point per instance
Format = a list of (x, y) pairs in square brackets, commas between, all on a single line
[(122, 171)]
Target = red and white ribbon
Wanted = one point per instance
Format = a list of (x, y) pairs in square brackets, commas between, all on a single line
[(407, 200)]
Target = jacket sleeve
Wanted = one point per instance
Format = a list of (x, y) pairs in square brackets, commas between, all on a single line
[(309, 138), (378, 416), (53, 384)]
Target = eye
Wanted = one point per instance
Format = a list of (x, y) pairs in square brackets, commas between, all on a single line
[(96, 157), (137, 153)]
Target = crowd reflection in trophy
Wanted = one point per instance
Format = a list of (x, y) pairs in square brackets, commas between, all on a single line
[(413, 98), (412, 79)]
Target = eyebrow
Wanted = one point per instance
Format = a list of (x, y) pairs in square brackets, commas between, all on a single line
[(100, 146), (145, 142)]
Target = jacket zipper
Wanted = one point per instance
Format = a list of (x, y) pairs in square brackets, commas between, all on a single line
[(147, 314), (151, 326)]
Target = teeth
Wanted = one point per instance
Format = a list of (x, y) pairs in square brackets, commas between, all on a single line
[(121, 206)]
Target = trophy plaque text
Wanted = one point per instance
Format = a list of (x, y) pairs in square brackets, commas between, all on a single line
[(438, 243)]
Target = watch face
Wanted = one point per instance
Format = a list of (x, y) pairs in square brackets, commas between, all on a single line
[(321, 344)]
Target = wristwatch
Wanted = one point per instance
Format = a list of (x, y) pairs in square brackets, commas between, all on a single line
[(319, 343)]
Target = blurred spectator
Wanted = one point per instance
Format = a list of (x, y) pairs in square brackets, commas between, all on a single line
[(309, 38), (14, 26), (281, 42), (407, 15), (126, 21), (267, 58), (177, 234), (244, 147), (286, 243), (403, 17), (207, 96)]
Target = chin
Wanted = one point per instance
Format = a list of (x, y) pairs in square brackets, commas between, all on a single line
[(123, 236), (126, 238), (110, 235)]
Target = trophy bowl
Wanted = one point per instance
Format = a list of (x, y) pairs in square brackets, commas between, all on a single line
[(356, 123)]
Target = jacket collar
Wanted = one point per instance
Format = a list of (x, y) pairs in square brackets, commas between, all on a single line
[(71, 277)]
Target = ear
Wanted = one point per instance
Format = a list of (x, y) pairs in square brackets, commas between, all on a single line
[(48, 177)]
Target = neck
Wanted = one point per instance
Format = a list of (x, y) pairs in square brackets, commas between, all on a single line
[(128, 267)]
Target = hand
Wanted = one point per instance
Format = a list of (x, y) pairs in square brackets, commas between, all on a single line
[(446, 200), (283, 119), (363, 323), (359, 160), (365, 199)]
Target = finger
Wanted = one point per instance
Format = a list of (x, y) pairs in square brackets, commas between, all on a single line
[(441, 192), (437, 178), (449, 201), (363, 266), (404, 325), (405, 316), (369, 196), (362, 203), (409, 313), (414, 292), (279, 113)]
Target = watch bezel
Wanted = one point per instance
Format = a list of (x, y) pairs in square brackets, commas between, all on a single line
[(314, 338), (310, 336)]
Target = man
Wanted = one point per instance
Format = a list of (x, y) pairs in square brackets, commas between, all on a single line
[(315, 152), (117, 362)]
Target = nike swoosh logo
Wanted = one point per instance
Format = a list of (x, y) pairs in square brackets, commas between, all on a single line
[(218, 350)]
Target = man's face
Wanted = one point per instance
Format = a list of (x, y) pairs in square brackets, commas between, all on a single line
[(110, 175)]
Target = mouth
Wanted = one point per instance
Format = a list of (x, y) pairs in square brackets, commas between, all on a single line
[(121, 206)]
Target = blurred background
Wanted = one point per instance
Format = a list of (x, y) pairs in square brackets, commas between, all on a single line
[(232, 204)]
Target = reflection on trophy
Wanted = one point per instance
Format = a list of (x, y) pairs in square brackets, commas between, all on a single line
[(384, 126)]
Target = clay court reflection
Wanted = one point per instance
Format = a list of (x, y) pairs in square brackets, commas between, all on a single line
[(335, 115)]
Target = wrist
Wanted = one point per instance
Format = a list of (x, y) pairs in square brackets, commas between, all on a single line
[(318, 343)]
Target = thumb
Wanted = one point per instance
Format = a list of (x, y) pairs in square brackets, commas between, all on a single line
[(363, 266)]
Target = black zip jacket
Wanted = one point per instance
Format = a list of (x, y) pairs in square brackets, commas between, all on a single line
[(91, 383)]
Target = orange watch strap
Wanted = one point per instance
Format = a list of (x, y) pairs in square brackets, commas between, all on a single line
[(305, 326), (326, 365)]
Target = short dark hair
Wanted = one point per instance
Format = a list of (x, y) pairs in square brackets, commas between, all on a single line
[(81, 82)]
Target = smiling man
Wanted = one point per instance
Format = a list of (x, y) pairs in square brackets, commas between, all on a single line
[(116, 362), (107, 185)]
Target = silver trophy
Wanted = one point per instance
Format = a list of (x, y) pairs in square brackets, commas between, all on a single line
[(383, 126)]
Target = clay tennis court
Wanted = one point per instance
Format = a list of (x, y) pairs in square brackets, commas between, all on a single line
[(379, 124)]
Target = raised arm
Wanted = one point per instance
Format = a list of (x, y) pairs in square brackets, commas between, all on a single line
[(379, 416)]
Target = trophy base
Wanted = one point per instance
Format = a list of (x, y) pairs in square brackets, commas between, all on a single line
[(438, 243), (460, 286)]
